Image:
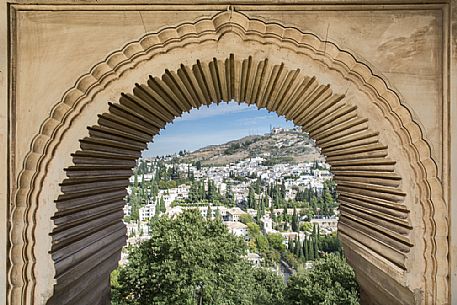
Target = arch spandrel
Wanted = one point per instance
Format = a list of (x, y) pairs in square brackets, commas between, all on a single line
[(120, 67)]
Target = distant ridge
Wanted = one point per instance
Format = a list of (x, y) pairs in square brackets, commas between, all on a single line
[(280, 145)]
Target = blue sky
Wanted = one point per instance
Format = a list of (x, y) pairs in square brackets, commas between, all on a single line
[(215, 124)]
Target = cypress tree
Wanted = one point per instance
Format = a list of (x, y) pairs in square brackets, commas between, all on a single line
[(300, 253), (284, 213), (316, 248), (315, 242), (283, 189), (257, 185), (295, 221), (142, 185), (311, 249), (210, 190), (218, 214), (297, 246), (262, 206), (289, 244), (157, 209), (251, 198), (162, 205), (202, 190), (258, 216), (305, 248), (135, 180), (208, 212)]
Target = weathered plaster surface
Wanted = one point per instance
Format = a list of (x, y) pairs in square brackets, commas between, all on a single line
[(452, 77), (61, 46), (3, 150), (55, 45), (403, 45)]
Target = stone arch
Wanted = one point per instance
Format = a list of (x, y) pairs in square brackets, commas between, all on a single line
[(231, 78)]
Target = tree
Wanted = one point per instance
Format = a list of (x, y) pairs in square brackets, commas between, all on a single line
[(194, 193), (135, 180), (315, 241), (276, 241), (251, 198), (162, 207), (330, 243), (295, 224), (297, 246), (217, 214), (209, 212), (190, 174), (188, 258), (257, 185), (305, 249), (311, 249), (330, 282), (290, 244), (283, 189), (269, 287), (198, 164)]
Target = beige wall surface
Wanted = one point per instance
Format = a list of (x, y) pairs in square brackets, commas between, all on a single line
[(3, 149), (452, 78), (59, 46), (404, 46), (413, 46)]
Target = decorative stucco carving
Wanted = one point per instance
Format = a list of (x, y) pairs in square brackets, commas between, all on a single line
[(355, 208), (89, 211)]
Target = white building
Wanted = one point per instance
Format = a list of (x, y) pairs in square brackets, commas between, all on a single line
[(137, 229), (254, 259), (127, 210), (147, 212), (326, 225), (267, 224), (234, 214), (237, 228)]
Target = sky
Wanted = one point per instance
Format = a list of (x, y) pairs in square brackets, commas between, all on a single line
[(216, 124)]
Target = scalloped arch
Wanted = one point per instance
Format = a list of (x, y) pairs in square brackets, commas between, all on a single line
[(21, 254)]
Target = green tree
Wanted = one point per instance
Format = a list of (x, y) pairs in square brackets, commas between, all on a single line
[(295, 223), (330, 243), (331, 281), (290, 244), (187, 259), (297, 246), (276, 242), (198, 164), (257, 185), (269, 287), (311, 249), (162, 207), (251, 198), (305, 249), (316, 241), (209, 212)]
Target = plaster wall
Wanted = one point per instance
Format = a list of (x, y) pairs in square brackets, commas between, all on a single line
[(404, 45), (4, 118), (412, 46), (452, 94)]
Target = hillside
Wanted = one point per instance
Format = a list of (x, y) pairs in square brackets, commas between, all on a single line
[(281, 145)]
